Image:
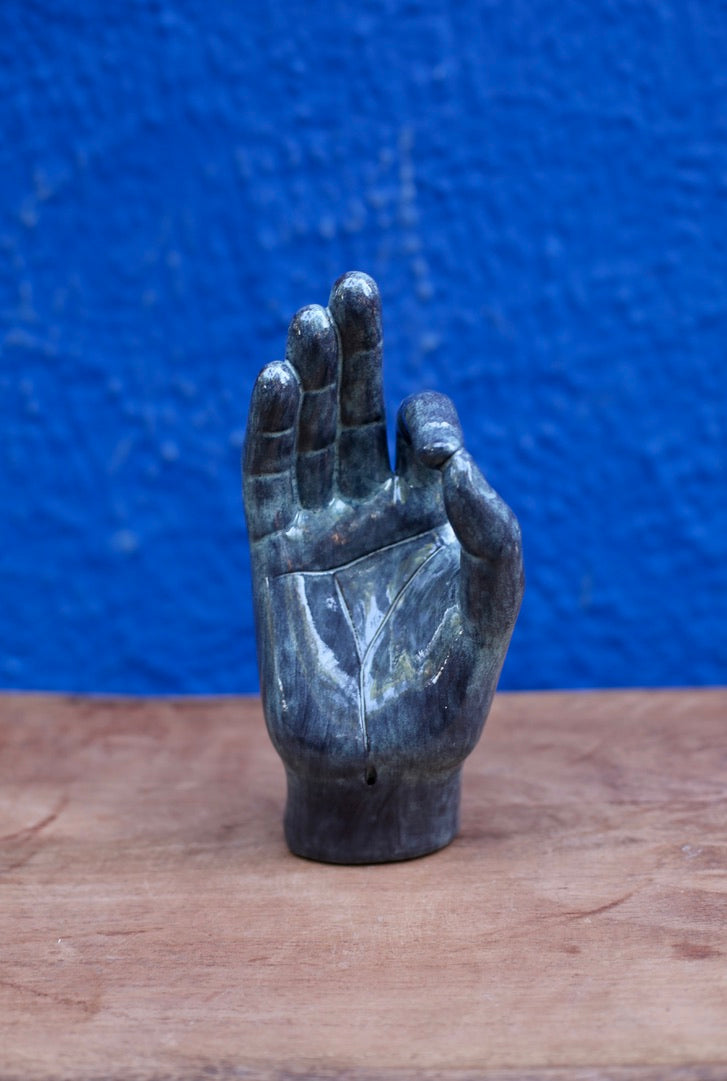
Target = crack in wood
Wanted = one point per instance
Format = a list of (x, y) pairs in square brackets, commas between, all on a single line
[(27, 832)]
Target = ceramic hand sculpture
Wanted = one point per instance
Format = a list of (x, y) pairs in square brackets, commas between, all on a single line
[(384, 601)]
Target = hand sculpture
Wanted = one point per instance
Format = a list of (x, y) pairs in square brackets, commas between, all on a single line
[(384, 601)]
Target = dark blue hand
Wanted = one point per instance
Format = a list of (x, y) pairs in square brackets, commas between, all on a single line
[(384, 600)]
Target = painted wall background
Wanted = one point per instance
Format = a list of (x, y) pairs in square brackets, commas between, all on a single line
[(539, 187)]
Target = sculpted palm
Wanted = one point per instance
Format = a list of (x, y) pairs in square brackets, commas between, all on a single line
[(384, 600)]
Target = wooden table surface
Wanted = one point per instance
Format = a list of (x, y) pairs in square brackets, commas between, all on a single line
[(153, 924)]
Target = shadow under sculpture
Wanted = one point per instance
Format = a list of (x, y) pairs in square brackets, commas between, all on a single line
[(384, 601)]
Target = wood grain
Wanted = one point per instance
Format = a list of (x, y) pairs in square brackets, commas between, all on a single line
[(153, 925)]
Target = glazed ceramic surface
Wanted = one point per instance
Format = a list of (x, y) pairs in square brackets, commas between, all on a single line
[(384, 599)]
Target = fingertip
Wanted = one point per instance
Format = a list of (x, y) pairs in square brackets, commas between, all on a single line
[(355, 304), (355, 288), (312, 346), (275, 397), (429, 422)]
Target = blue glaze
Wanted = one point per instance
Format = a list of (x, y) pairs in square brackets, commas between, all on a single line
[(384, 599), (540, 192)]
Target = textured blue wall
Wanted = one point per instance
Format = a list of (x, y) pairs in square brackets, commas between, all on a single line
[(539, 186)]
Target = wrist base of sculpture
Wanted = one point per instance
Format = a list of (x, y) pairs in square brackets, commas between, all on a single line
[(372, 819)]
